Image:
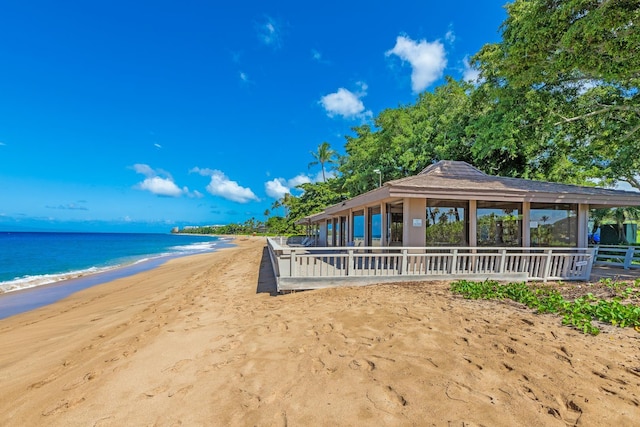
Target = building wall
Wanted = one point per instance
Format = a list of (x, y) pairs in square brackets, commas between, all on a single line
[(414, 222)]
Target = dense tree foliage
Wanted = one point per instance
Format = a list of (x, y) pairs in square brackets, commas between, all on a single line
[(557, 99), (409, 138), (572, 65)]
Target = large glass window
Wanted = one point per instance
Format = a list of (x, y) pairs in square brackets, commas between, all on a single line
[(554, 224), (375, 226), (330, 232), (358, 228), (499, 223), (447, 222)]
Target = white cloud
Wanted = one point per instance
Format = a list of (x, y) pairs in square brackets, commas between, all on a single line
[(158, 182), (346, 103), (243, 76), (428, 60), (157, 145), (222, 186), (316, 55), (278, 187), (469, 74), (145, 170), (298, 180), (161, 187), (450, 36), (270, 33)]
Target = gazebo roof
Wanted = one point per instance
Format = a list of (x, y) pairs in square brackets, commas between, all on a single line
[(456, 176), (459, 180)]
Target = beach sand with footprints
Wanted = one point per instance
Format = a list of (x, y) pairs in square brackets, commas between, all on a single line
[(201, 341)]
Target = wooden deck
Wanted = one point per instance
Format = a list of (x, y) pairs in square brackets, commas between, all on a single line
[(298, 268)]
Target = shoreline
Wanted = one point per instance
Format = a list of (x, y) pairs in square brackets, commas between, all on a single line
[(199, 341), (26, 299)]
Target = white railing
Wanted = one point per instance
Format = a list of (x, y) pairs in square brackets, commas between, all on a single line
[(310, 267), (619, 256)]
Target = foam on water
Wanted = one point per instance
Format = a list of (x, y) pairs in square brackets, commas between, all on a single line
[(28, 281)]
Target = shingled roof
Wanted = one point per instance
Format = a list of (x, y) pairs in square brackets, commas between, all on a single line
[(459, 180), (456, 176)]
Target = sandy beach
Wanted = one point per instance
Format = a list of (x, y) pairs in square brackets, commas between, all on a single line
[(201, 341)]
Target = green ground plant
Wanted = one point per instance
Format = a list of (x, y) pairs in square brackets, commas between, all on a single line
[(578, 314)]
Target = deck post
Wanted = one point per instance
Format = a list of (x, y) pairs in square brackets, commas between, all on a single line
[(547, 265), (503, 260), (293, 269), (454, 262), (405, 262), (592, 260), (349, 261), (628, 257)]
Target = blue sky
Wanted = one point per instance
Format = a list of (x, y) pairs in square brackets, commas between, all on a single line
[(145, 115)]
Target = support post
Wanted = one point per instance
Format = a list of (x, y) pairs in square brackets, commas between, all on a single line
[(503, 260), (454, 262), (293, 269), (628, 257), (547, 265), (405, 266), (526, 224), (473, 223)]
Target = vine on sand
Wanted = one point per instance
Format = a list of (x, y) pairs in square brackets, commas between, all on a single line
[(578, 313)]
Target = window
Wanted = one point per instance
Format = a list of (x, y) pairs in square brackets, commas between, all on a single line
[(358, 228), (499, 223), (554, 224), (447, 222), (375, 226)]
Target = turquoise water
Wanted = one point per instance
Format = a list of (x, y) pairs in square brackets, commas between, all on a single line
[(34, 259)]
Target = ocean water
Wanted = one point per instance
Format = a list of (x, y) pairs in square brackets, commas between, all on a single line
[(29, 260)]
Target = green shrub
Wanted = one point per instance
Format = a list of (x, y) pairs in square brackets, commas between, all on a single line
[(578, 314)]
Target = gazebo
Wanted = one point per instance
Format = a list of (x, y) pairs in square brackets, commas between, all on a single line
[(450, 221), (452, 203)]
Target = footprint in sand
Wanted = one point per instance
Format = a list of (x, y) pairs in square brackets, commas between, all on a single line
[(363, 364), (181, 392), (62, 406), (85, 379), (317, 365), (178, 366), (230, 346), (156, 391), (386, 399), (460, 392)]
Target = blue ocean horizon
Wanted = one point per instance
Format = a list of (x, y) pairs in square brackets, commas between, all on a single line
[(31, 262)]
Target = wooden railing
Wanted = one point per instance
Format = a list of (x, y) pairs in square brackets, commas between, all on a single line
[(616, 255), (311, 267)]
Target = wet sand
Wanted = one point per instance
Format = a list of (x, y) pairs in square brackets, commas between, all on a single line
[(201, 340)]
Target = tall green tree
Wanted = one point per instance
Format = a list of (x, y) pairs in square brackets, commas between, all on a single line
[(324, 156), (404, 140), (573, 65), (314, 198)]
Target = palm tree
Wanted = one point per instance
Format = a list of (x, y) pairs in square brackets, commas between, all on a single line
[(324, 156)]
